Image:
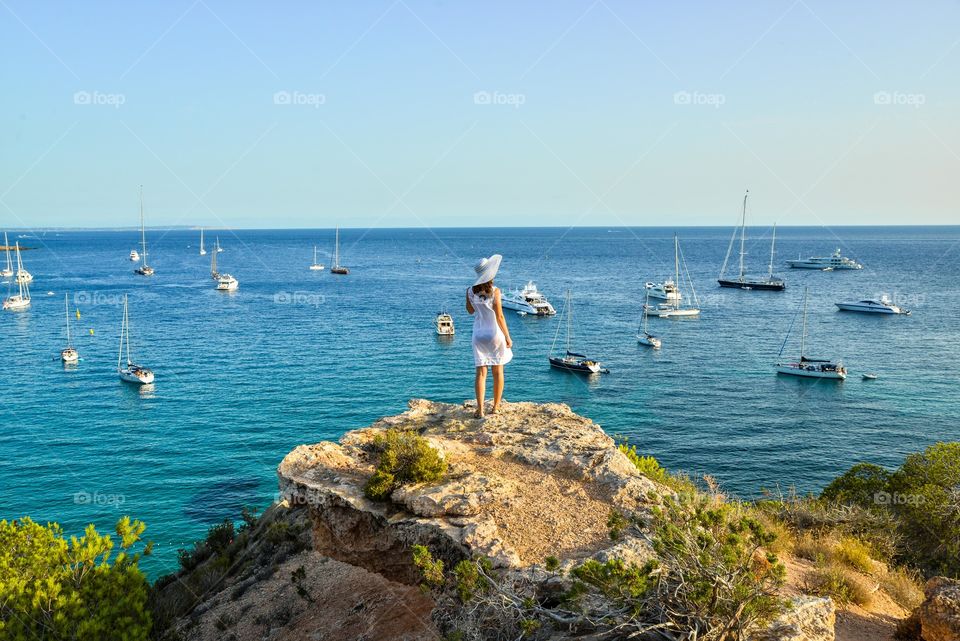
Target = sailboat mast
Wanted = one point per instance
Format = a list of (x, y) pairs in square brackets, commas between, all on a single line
[(126, 321), (773, 244), (22, 282), (66, 311), (676, 269), (743, 231), (336, 249), (123, 328), (143, 231), (569, 317), (6, 245), (803, 333)]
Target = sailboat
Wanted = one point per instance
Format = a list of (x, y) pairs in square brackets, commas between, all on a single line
[(673, 309), (203, 252), (769, 282), (644, 337), (316, 267), (21, 300), (809, 367), (337, 267), (572, 361), (219, 248), (130, 373), (214, 274), (68, 354), (144, 269), (8, 270)]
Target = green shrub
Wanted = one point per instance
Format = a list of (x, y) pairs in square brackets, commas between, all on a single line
[(469, 578), (861, 485), (711, 575), (55, 588), (617, 523), (430, 569), (853, 553), (220, 536), (646, 465), (405, 457), (551, 563), (925, 496)]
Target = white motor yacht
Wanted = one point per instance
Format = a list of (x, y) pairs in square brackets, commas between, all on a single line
[(444, 323), (825, 263), (134, 255), (667, 290), (227, 283), (528, 300), (872, 306)]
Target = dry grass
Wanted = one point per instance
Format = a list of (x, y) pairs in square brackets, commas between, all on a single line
[(853, 553), (904, 587), (841, 584)]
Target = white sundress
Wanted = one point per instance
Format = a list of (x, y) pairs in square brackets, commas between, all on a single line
[(489, 343)]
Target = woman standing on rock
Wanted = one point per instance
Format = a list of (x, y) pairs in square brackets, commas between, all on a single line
[(491, 338)]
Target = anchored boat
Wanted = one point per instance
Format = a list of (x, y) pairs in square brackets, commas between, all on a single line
[(809, 367), (742, 281), (528, 300), (143, 269), (825, 263), (130, 373), (572, 361)]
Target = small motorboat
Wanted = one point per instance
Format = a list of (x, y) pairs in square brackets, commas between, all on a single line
[(444, 324), (869, 376), (134, 255)]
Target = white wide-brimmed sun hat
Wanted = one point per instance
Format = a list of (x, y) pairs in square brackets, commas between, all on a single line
[(487, 268)]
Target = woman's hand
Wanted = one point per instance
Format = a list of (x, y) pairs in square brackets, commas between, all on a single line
[(509, 342)]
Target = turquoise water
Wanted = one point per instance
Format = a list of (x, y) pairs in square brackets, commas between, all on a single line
[(296, 356)]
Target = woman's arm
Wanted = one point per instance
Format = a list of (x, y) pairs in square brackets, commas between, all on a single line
[(501, 321), (469, 304)]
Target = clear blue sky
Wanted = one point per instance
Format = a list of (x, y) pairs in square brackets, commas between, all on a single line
[(602, 112)]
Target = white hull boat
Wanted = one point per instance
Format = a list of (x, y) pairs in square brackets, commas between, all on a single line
[(644, 337), (809, 367), (814, 369), (528, 300), (23, 276), (7, 271), (825, 263), (68, 354), (130, 373), (144, 269), (203, 251), (444, 324), (134, 255), (673, 309), (20, 300), (871, 306), (315, 266), (227, 283), (667, 290)]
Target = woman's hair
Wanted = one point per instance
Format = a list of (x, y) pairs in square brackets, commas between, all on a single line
[(484, 289)]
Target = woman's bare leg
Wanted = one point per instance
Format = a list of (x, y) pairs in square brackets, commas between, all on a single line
[(479, 386), (497, 386)]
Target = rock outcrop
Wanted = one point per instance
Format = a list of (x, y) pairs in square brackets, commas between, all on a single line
[(531, 483), (938, 617)]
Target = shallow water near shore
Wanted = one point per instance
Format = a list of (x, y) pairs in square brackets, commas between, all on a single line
[(296, 356)]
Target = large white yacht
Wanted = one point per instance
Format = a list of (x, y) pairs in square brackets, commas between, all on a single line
[(667, 290), (528, 300), (825, 263), (872, 306)]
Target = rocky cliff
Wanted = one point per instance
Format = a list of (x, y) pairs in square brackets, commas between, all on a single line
[(531, 489)]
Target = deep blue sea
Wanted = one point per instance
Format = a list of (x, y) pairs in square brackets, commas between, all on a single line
[(296, 356)]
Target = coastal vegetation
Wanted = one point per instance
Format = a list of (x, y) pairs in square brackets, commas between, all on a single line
[(87, 588), (403, 457), (715, 564)]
